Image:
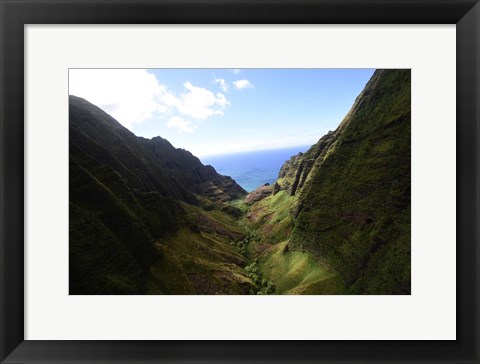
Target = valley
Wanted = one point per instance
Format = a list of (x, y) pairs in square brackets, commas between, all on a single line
[(148, 218)]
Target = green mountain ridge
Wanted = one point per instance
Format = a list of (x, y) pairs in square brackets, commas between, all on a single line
[(348, 196), (127, 195), (147, 218)]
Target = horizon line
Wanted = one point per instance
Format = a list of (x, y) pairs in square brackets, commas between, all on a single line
[(251, 151)]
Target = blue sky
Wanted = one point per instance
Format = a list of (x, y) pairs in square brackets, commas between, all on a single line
[(219, 111)]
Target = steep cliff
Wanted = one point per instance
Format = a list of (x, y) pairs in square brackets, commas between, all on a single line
[(348, 196), (129, 197), (148, 165), (354, 205)]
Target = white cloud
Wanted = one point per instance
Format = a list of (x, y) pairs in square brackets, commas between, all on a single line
[(236, 71), (129, 95), (223, 84), (180, 124), (134, 96), (198, 103), (241, 84)]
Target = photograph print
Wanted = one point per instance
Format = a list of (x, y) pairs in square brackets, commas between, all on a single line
[(239, 181)]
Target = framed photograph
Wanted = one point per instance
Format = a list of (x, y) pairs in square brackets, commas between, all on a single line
[(239, 181)]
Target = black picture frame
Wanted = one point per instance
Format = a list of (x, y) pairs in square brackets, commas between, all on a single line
[(16, 13)]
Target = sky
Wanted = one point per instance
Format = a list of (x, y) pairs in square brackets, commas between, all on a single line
[(221, 111)]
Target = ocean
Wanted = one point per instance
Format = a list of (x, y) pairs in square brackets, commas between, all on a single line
[(252, 169)]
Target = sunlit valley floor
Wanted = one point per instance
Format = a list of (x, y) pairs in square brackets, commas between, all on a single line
[(147, 218)]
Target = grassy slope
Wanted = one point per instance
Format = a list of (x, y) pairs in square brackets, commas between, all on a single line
[(296, 272), (356, 213), (271, 217), (124, 233), (292, 272), (111, 230), (141, 243), (198, 263), (199, 258), (353, 194)]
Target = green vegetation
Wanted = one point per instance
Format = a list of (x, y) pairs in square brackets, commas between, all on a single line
[(263, 286), (198, 263), (355, 212), (146, 218), (341, 221), (298, 273), (239, 204), (131, 199), (271, 217)]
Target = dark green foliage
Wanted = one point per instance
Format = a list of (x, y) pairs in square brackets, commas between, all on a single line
[(232, 210), (198, 263), (124, 198), (122, 229), (100, 263), (270, 287), (262, 285), (355, 210)]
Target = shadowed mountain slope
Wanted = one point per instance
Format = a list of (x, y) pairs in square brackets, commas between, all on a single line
[(148, 165), (126, 195)]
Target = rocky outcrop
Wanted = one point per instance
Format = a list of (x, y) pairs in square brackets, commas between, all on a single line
[(259, 194), (290, 166), (191, 172), (295, 172), (276, 188)]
